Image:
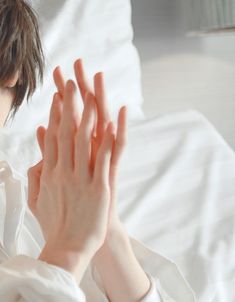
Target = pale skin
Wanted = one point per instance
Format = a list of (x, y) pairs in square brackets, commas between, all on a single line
[(94, 147), (6, 97)]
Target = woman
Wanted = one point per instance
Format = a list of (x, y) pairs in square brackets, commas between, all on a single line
[(71, 191)]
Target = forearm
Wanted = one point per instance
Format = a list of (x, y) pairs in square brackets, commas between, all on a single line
[(122, 275)]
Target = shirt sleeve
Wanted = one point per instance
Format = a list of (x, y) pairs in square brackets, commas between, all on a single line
[(153, 294), (169, 279), (24, 279)]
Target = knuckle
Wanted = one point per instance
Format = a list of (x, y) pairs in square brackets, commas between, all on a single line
[(62, 175), (49, 135), (102, 186), (46, 176), (62, 135)]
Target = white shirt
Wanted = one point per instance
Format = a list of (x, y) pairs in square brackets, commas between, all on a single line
[(23, 278)]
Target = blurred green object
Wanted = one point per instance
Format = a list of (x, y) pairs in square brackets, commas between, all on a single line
[(205, 16)]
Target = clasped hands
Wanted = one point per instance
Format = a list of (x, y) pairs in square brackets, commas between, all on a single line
[(72, 190)]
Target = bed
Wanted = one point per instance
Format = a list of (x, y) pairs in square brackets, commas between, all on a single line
[(177, 178)]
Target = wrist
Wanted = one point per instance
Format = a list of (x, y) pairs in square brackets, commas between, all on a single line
[(116, 232), (116, 242), (129, 281), (65, 258)]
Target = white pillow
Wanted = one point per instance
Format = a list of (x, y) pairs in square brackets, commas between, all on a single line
[(98, 31)]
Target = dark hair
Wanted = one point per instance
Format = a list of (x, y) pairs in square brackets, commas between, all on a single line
[(20, 49)]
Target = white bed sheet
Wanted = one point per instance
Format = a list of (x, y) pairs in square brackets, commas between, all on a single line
[(176, 195)]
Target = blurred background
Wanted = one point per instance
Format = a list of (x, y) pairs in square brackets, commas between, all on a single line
[(181, 70)]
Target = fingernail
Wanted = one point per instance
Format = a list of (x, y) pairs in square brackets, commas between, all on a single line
[(56, 68), (78, 61)]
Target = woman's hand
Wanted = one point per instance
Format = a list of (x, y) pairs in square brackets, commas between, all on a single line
[(101, 122), (70, 200), (115, 258)]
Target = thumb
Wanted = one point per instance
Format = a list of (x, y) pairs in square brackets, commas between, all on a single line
[(41, 131), (34, 174)]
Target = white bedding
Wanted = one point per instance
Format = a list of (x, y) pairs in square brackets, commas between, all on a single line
[(176, 195)]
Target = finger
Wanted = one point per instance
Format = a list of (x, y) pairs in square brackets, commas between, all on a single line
[(41, 132), (83, 85), (50, 141), (34, 174), (121, 138), (81, 79), (103, 116), (102, 165), (102, 104), (83, 139), (68, 127), (59, 81), (118, 148)]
